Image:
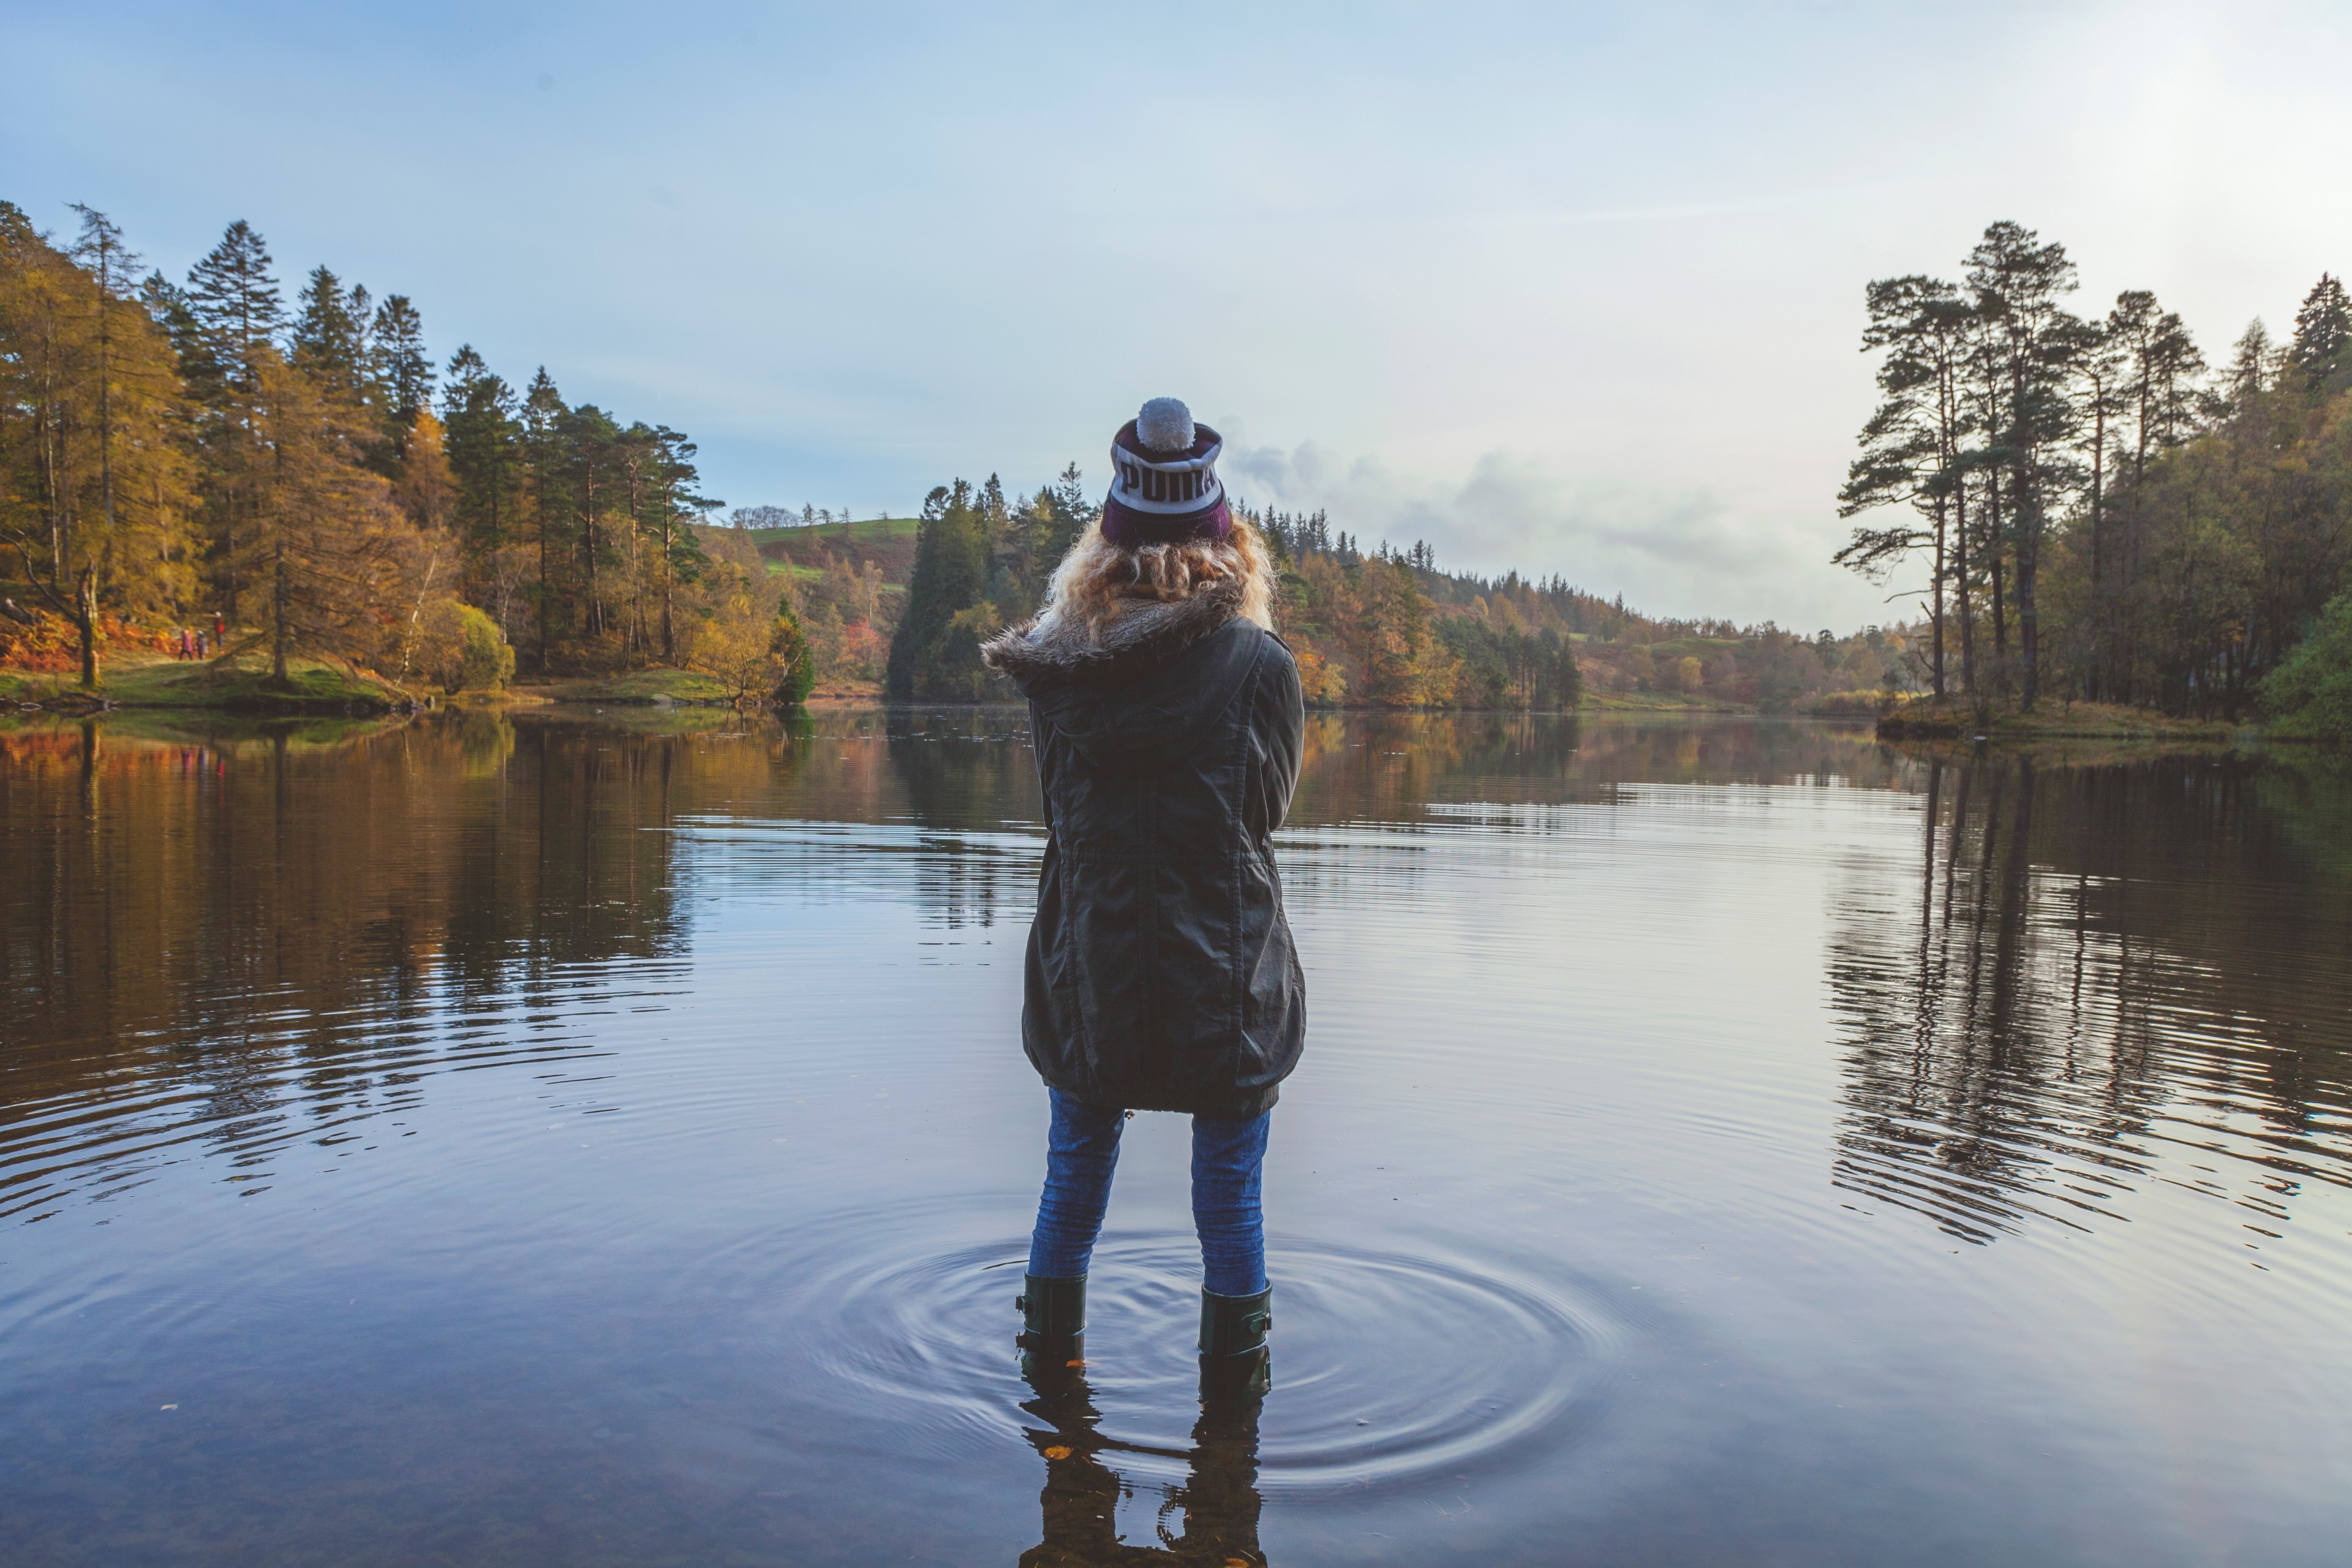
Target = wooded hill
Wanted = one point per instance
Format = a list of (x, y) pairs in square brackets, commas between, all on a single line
[(1382, 627)]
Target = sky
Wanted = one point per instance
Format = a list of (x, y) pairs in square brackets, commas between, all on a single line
[(1564, 289)]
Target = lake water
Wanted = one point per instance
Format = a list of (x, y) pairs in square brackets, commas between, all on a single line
[(605, 1139)]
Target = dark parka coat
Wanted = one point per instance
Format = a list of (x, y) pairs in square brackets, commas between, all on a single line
[(1161, 973)]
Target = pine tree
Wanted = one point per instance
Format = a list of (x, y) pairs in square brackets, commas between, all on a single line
[(400, 370), (1912, 448), (478, 413), (1559, 685), (950, 578), (330, 336), (232, 302), (2162, 369), (2249, 363), (794, 656), (542, 413), (635, 454), (234, 296), (111, 267), (2322, 331), (593, 490), (665, 512), (2029, 345), (166, 304), (1057, 518)]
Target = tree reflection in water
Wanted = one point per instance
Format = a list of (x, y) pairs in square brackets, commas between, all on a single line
[(237, 937), (2098, 962), (260, 934)]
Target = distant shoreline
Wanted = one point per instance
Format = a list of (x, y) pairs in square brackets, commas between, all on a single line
[(319, 690)]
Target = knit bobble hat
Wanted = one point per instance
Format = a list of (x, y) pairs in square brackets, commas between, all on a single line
[(1164, 488)]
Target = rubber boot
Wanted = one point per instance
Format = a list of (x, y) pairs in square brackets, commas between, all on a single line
[(1235, 1366), (1053, 1337)]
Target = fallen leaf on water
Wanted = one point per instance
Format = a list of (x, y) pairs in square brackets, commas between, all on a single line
[(1058, 1452)]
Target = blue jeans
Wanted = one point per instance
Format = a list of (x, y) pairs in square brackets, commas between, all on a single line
[(1082, 1152)]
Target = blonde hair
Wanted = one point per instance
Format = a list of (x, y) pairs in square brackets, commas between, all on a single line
[(1097, 579)]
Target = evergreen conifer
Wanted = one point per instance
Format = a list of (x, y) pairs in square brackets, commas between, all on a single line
[(330, 336), (234, 297), (2322, 331), (400, 370), (951, 577), (789, 644)]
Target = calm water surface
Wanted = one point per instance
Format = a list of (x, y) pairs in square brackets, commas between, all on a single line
[(603, 1139)]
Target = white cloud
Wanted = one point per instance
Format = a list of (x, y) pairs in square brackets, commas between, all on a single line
[(1676, 552)]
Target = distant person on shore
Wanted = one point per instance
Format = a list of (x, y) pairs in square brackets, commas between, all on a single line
[(1168, 723)]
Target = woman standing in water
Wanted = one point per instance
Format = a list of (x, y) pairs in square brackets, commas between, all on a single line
[(1167, 721)]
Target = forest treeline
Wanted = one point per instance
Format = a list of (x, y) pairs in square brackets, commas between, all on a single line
[(1374, 625), (2103, 515), (294, 475), (297, 476), (1377, 627), (1362, 625)]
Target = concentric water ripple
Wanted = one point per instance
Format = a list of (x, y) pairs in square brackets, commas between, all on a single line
[(1388, 1365)]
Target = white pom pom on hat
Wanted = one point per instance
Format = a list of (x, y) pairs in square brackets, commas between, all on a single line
[(1165, 425)]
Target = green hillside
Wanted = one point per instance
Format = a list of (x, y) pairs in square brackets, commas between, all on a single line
[(887, 542), (872, 530)]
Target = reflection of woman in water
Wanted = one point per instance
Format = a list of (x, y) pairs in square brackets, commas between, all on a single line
[(1168, 723), (1218, 1502)]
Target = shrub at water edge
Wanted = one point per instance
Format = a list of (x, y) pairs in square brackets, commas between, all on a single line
[(2309, 697)]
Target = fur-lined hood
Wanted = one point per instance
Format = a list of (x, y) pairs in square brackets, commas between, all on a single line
[(1054, 644)]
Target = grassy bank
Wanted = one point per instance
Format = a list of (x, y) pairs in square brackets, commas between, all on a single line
[(631, 687), (1954, 719), (1597, 701), (135, 680)]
